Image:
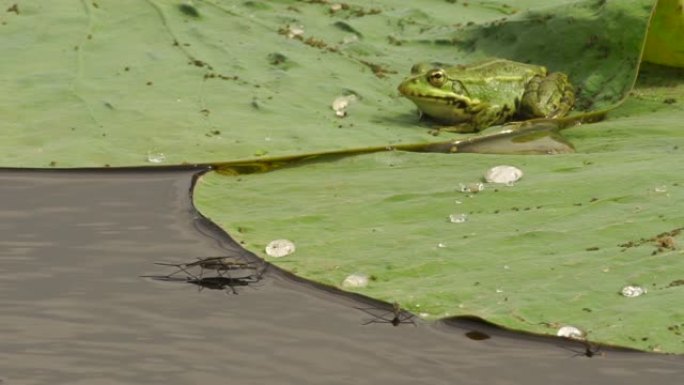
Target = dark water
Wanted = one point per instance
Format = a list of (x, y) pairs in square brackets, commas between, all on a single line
[(74, 309)]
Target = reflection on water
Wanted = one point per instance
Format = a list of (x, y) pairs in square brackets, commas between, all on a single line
[(74, 308)]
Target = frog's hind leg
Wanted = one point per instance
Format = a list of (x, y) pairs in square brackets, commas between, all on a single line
[(550, 96)]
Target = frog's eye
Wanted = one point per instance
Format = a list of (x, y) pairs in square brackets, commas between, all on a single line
[(437, 77)]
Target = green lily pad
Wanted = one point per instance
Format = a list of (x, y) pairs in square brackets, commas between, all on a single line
[(120, 84), (554, 249)]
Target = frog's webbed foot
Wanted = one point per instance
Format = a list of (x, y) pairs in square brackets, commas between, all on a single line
[(550, 96)]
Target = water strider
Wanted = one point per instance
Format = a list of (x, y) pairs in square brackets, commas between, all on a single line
[(397, 314), (219, 264)]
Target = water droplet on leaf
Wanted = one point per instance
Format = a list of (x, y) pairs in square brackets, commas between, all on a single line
[(632, 291), (458, 218), (280, 248), (503, 175), (355, 280), (570, 332), (156, 157)]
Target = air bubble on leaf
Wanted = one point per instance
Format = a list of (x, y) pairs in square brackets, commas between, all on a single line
[(503, 175), (458, 218), (570, 332), (632, 291), (441, 245), (470, 188), (280, 248), (156, 157), (355, 280), (340, 104)]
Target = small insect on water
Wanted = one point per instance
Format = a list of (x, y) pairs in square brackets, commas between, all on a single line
[(396, 316), (231, 272), (588, 349), (221, 265)]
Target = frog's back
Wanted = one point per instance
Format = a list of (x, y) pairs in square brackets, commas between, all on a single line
[(502, 66), (498, 81)]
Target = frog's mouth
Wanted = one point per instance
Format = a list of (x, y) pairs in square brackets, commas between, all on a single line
[(444, 106), (437, 96)]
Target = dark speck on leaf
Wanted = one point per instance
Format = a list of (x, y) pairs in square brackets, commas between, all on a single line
[(127, 69), (14, 8), (276, 58), (188, 10), (149, 83), (670, 101), (199, 63)]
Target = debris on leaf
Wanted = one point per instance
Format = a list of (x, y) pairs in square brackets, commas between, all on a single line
[(292, 31), (340, 104), (471, 188)]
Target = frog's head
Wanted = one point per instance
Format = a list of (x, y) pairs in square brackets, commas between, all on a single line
[(437, 95)]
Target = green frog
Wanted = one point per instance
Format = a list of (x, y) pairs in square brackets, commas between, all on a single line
[(472, 97)]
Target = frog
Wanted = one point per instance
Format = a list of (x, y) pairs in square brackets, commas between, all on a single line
[(471, 97)]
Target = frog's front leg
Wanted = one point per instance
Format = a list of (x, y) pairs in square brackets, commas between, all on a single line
[(550, 96)]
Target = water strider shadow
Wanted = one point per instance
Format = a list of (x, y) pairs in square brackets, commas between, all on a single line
[(216, 273)]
